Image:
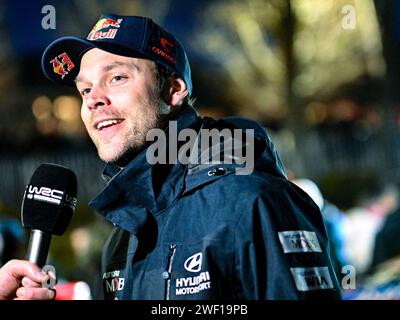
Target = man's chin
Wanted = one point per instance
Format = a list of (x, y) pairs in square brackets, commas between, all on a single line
[(109, 156), (121, 159)]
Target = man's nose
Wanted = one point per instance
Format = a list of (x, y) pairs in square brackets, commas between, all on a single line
[(96, 98)]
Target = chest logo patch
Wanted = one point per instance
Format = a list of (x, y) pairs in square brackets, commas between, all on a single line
[(193, 263)]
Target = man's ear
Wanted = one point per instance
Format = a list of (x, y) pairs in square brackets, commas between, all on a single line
[(177, 91)]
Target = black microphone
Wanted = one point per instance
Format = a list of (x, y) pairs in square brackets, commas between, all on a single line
[(47, 207)]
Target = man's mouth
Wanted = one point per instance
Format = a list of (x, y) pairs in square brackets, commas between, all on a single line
[(107, 123)]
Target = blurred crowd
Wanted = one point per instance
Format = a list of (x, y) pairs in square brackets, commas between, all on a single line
[(364, 241)]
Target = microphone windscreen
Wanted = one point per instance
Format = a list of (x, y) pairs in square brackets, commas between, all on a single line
[(50, 199)]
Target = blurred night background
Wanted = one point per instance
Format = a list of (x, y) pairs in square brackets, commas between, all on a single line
[(323, 77)]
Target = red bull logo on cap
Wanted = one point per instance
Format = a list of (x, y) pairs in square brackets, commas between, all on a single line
[(104, 29), (62, 64)]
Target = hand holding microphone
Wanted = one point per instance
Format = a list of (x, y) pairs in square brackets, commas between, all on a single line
[(48, 204), (15, 272)]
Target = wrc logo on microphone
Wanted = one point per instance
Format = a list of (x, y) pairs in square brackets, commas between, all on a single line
[(49, 195)]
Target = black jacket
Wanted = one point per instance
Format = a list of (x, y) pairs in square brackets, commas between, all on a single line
[(204, 232)]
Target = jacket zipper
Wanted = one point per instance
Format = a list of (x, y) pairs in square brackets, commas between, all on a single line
[(172, 249)]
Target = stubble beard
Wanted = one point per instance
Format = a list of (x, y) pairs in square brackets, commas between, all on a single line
[(154, 117)]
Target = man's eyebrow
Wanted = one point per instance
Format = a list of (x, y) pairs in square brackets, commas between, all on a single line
[(116, 64), (112, 66)]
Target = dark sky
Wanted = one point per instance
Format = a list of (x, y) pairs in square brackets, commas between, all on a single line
[(23, 23)]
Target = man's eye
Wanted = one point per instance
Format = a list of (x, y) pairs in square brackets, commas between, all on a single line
[(117, 78), (85, 91)]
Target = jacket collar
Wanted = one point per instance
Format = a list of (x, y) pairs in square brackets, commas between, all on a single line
[(141, 189), (138, 191)]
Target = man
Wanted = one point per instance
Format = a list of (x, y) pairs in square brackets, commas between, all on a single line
[(196, 229)]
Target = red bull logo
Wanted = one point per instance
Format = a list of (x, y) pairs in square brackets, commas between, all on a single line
[(104, 29), (62, 64)]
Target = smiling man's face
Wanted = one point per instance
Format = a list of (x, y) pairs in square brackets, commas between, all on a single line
[(120, 102)]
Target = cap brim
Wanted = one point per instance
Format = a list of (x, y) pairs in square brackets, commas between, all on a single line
[(66, 53)]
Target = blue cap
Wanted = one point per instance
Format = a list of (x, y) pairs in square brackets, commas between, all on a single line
[(129, 36)]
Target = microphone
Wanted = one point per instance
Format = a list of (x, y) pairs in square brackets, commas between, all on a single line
[(47, 207)]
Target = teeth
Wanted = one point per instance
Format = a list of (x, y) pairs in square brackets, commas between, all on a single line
[(106, 123)]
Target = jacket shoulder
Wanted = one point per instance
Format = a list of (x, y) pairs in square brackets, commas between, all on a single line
[(272, 196)]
